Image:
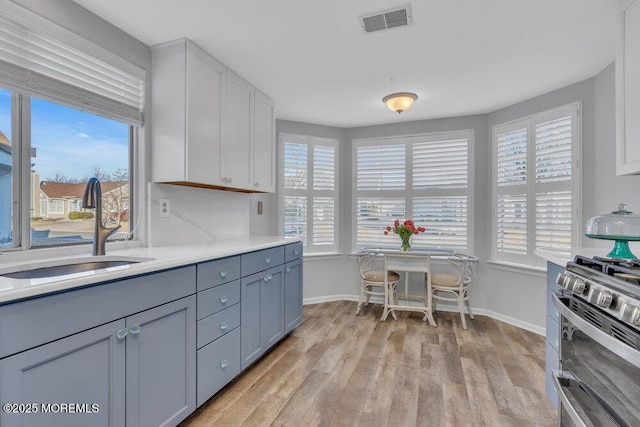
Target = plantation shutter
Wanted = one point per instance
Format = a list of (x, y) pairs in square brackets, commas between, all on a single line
[(553, 184), (440, 184), (535, 186), (511, 214), (37, 64), (309, 191), (422, 177)]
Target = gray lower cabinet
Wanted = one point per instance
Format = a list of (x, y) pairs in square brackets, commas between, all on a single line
[(138, 369), (552, 333), (161, 364), (86, 368), (292, 295)]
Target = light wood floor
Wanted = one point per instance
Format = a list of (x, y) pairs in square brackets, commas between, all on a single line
[(338, 369)]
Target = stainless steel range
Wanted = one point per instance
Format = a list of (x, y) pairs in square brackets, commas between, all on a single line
[(599, 380)]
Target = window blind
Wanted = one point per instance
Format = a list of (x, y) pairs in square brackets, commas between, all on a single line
[(535, 207), (37, 64), (420, 177), (309, 191)]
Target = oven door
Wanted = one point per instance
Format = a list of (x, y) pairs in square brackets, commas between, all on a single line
[(600, 380)]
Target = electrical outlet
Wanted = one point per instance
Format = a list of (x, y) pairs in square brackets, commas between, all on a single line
[(260, 207), (165, 208)]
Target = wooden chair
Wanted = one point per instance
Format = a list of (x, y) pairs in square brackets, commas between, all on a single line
[(372, 280), (454, 276)]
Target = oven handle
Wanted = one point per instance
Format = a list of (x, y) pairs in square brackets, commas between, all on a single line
[(624, 351), (557, 377)]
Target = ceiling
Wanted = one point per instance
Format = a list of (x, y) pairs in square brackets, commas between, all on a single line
[(312, 57)]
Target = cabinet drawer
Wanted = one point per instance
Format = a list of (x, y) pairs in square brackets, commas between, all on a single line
[(218, 363), (213, 300), (293, 251), (553, 333), (214, 273), (216, 325), (552, 311), (261, 260)]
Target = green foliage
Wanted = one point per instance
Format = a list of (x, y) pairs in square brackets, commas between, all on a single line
[(80, 215)]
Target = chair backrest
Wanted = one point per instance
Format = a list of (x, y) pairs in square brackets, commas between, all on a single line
[(366, 262), (460, 266)]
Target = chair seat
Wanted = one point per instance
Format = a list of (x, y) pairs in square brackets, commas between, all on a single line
[(445, 280), (378, 276)]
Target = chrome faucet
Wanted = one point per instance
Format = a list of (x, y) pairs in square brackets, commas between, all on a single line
[(92, 199)]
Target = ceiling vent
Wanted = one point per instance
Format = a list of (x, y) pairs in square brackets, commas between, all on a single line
[(398, 17)]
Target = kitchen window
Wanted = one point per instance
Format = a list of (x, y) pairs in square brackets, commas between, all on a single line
[(421, 177), (309, 188), (64, 116), (536, 185)]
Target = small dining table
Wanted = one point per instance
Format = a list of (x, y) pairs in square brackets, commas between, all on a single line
[(416, 260)]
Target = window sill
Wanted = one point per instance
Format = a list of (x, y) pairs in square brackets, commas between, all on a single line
[(518, 268), (321, 256)]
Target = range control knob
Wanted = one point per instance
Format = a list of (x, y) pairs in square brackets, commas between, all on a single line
[(561, 278), (600, 298), (578, 286), (629, 313)]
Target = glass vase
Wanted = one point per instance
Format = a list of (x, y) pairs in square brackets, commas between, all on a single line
[(406, 242)]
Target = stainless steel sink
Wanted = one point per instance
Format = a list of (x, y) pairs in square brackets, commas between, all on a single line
[(61, 268)]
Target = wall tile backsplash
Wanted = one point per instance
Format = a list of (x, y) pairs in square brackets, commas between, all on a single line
[(196, 215)]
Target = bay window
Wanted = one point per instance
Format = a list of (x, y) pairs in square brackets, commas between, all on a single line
[(536, 185)]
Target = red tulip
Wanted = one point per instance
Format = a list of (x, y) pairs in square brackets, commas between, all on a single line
[(396, 223), (388, 228), (422, 229), (386, 233)]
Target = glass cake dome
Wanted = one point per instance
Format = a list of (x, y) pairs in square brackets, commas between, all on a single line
[(620, 226)]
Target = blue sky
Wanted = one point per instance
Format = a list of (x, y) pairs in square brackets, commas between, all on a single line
[(70, 141)]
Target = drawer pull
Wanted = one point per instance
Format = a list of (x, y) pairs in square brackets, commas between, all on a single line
[(223, 273), (267, 260), (223, 325), (135, 329), (122, 333), (223, 299), (296, 252), (267, 278), (288, 269), (223, 364)]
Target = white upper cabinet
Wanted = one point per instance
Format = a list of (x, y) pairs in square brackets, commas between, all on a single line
[(208, 128), (264, 144), (628, 88), (237, 133), (187, 92)]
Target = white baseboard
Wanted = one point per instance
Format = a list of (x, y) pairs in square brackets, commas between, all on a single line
[(441, 307)]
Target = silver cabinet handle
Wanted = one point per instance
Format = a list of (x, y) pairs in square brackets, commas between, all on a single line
[(223, 273), (223, 299), (288, 269), (223, 364), (267, 277), (267, 260), (223, 325), (121, 333), (257, 184), (229, 179), (296, 252), (135, 329)]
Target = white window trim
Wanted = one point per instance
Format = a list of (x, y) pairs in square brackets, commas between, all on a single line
[(575, 109), (309, 192), (409, 194)]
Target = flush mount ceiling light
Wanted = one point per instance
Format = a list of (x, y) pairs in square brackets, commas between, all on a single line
[(400, 101)]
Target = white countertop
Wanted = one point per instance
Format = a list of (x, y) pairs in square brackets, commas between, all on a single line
[(562, 260), (163, 258)]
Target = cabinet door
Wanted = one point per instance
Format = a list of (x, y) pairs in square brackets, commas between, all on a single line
[(264, 144), (252, 343), (237, 132), (292, 295), (273, 306), (161, 370), (86, 369), (205, 92)]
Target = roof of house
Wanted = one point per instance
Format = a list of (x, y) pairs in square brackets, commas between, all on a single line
[(5, 144), (61, 190)]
